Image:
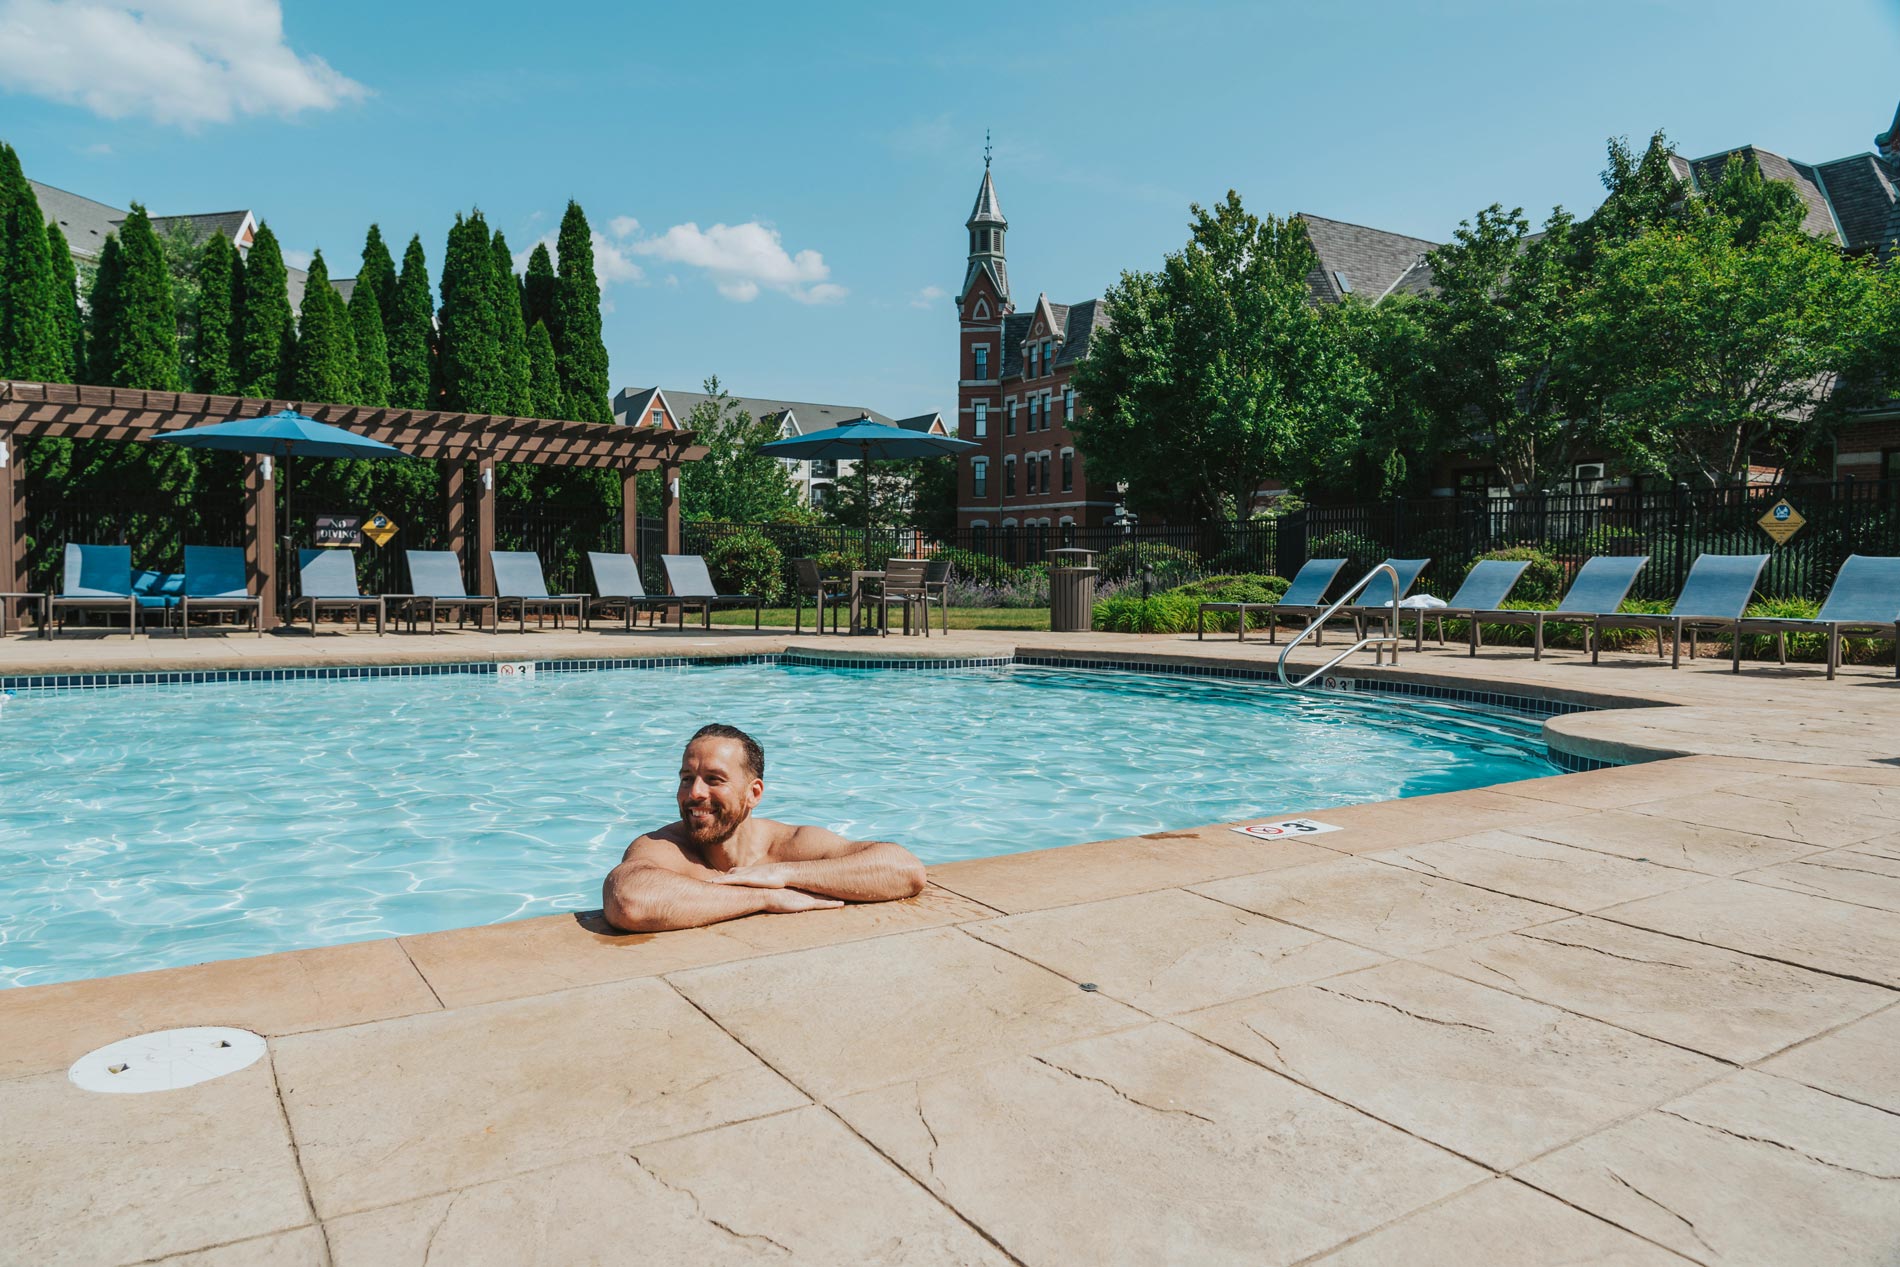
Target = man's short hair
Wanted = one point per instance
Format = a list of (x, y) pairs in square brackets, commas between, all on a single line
[(754, 754)]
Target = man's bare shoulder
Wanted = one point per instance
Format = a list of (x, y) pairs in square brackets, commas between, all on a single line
[(666, 847), (796, 843)]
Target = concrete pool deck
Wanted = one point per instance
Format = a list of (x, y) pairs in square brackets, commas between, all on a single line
[(1634, 1015)]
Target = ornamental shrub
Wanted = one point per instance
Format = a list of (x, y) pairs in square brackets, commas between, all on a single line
[(1159, 613), (747, 563), (1242, 588), (1542, 581)]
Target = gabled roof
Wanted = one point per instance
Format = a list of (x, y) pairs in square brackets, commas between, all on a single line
[(638, 405), (930, 424), (87, 223), (1370, 263), (803, 416), (998, 272)]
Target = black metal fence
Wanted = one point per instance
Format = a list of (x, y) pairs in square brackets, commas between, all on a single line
[(156, 526)]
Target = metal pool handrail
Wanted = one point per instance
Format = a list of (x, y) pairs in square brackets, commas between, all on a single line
[(1376, 642)]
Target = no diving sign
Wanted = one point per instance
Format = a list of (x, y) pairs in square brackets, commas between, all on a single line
[(1286, 829)]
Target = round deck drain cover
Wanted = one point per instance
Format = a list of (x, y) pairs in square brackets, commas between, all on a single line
[(166, 1059)]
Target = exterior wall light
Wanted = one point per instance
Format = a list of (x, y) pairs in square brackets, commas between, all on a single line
[(265, 467), (488, 479)]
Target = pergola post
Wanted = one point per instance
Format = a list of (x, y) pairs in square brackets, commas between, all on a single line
[(485, 523), (12, 525), (455, 514), (260, 534), (630, 512), (670, 504)]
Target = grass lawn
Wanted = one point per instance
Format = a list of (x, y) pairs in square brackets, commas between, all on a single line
[(960, 618)]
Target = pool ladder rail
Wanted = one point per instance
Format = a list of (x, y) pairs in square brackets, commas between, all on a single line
[(1378, 642)]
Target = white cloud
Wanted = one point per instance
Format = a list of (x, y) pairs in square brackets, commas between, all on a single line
[(623, 226), (927, 297), (611, 263), (744, 258), (98, 149), (184, 62)]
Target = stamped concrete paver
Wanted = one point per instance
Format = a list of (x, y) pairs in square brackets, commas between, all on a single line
[(1858, 1062), (1502, 1223), (426, 1104), (871, 1013), (112, 1178), (1172, 951), (1151, 1146), (1814, 932), (764, 1191), (1617, 787), (1491, 1075), (1750, 1170), (1669, 842), (301, 1247), (1557, 875), (1822, 823), (1383, 907), (1860, 875), (1720, 1002)]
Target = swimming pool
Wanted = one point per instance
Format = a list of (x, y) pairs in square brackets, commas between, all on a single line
[(151, 828)]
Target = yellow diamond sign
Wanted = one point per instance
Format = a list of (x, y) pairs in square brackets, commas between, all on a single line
[(379, 528), (1781, 522)]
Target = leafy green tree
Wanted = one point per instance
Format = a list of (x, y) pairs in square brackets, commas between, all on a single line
[(212, 366), (578, 350), (72, 331), (135, 341), (377, 274), (1715, 349), (537, 289), (474, 379), (411, 333), (1218, 372), (914, 492), (326, 368), (1641, 192), (544, 380), (266, 340), (1399, 434), (1755, 204), (30, 333), (372, 349), (515, 363), (184, 254), (734, 482)]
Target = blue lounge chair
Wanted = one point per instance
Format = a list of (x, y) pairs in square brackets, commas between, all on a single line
[(1598, 589), (435, 582), (96, 578), (518, 580), (327, 582), (159, 594), (1865, 599), (1380, 605), (1486, 585), (1304, 597), (216, 579), (617, 583), (692, 586), (1713, 597)]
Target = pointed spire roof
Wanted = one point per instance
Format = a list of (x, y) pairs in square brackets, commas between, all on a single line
[(987, 209)]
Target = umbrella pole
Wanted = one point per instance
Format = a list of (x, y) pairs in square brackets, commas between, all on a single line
[(864, 474)]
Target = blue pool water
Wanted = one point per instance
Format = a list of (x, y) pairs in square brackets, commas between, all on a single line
[(146, 828)]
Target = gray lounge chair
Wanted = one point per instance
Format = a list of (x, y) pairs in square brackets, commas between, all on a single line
[(1380, 606), (692, 586), (1485, 586), (435, 582), (617, 583), (1598, 589), (1304, 597), (1713, 597), (518, 580), (216, 579), (1864, 599), (326, 581), (95, 578)]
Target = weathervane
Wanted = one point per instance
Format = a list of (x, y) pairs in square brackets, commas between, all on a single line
[(986, 149)]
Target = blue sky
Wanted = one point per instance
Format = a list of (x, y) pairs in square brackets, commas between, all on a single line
[(840, 146)]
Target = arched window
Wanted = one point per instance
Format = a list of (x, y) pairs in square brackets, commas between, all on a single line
[(1068, 470)]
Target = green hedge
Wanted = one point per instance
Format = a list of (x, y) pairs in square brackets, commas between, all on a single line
[(1542, 580), (747, 563), (1176, 610)]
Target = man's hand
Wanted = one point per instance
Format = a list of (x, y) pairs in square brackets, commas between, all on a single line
[(765, 875), (788, 901)]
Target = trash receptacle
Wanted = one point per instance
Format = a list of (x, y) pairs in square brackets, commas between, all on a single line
[(1072, 590)]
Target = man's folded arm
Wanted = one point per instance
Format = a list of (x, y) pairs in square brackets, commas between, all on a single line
[(640, 897), (854, 871)]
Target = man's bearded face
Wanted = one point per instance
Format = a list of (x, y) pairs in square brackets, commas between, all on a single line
[(717, 790)]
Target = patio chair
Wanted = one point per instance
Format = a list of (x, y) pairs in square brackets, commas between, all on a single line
[(811, 582), (1485, 586), (1864, 599), (692, 586), (1361, 611), (326, 581), (97, 578), (216, 579), (1598, 589), (904, 582), (937, 590), (435, 582), (518, 580), (1713, 596), (159, 594), (617, 581), (1302, 598)]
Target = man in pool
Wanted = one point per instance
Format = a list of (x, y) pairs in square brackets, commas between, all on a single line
[(718, 862)]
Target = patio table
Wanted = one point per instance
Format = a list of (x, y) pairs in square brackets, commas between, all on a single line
[(23, 599)]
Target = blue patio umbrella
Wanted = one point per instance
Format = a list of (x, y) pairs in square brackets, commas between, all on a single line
[(864, 442)]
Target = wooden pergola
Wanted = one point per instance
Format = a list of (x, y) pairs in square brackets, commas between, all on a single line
[(32, 410)]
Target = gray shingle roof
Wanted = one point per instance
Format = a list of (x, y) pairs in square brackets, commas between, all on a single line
[(1083, 320), (1015, 330), (1820, 217), (1862, 189), (808, 416), (1372, 262), (85, 223), (998, 270)]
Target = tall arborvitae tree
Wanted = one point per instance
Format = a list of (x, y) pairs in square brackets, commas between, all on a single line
[(102, 312), (537, 289), (544, 379), (409, 333), (372, 349), (578, 350), (134, 317), (378, 273), (326, 348), (472, 376), (211, 360), (72, 331), (514, 332), (29, 321), (265, 335)]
